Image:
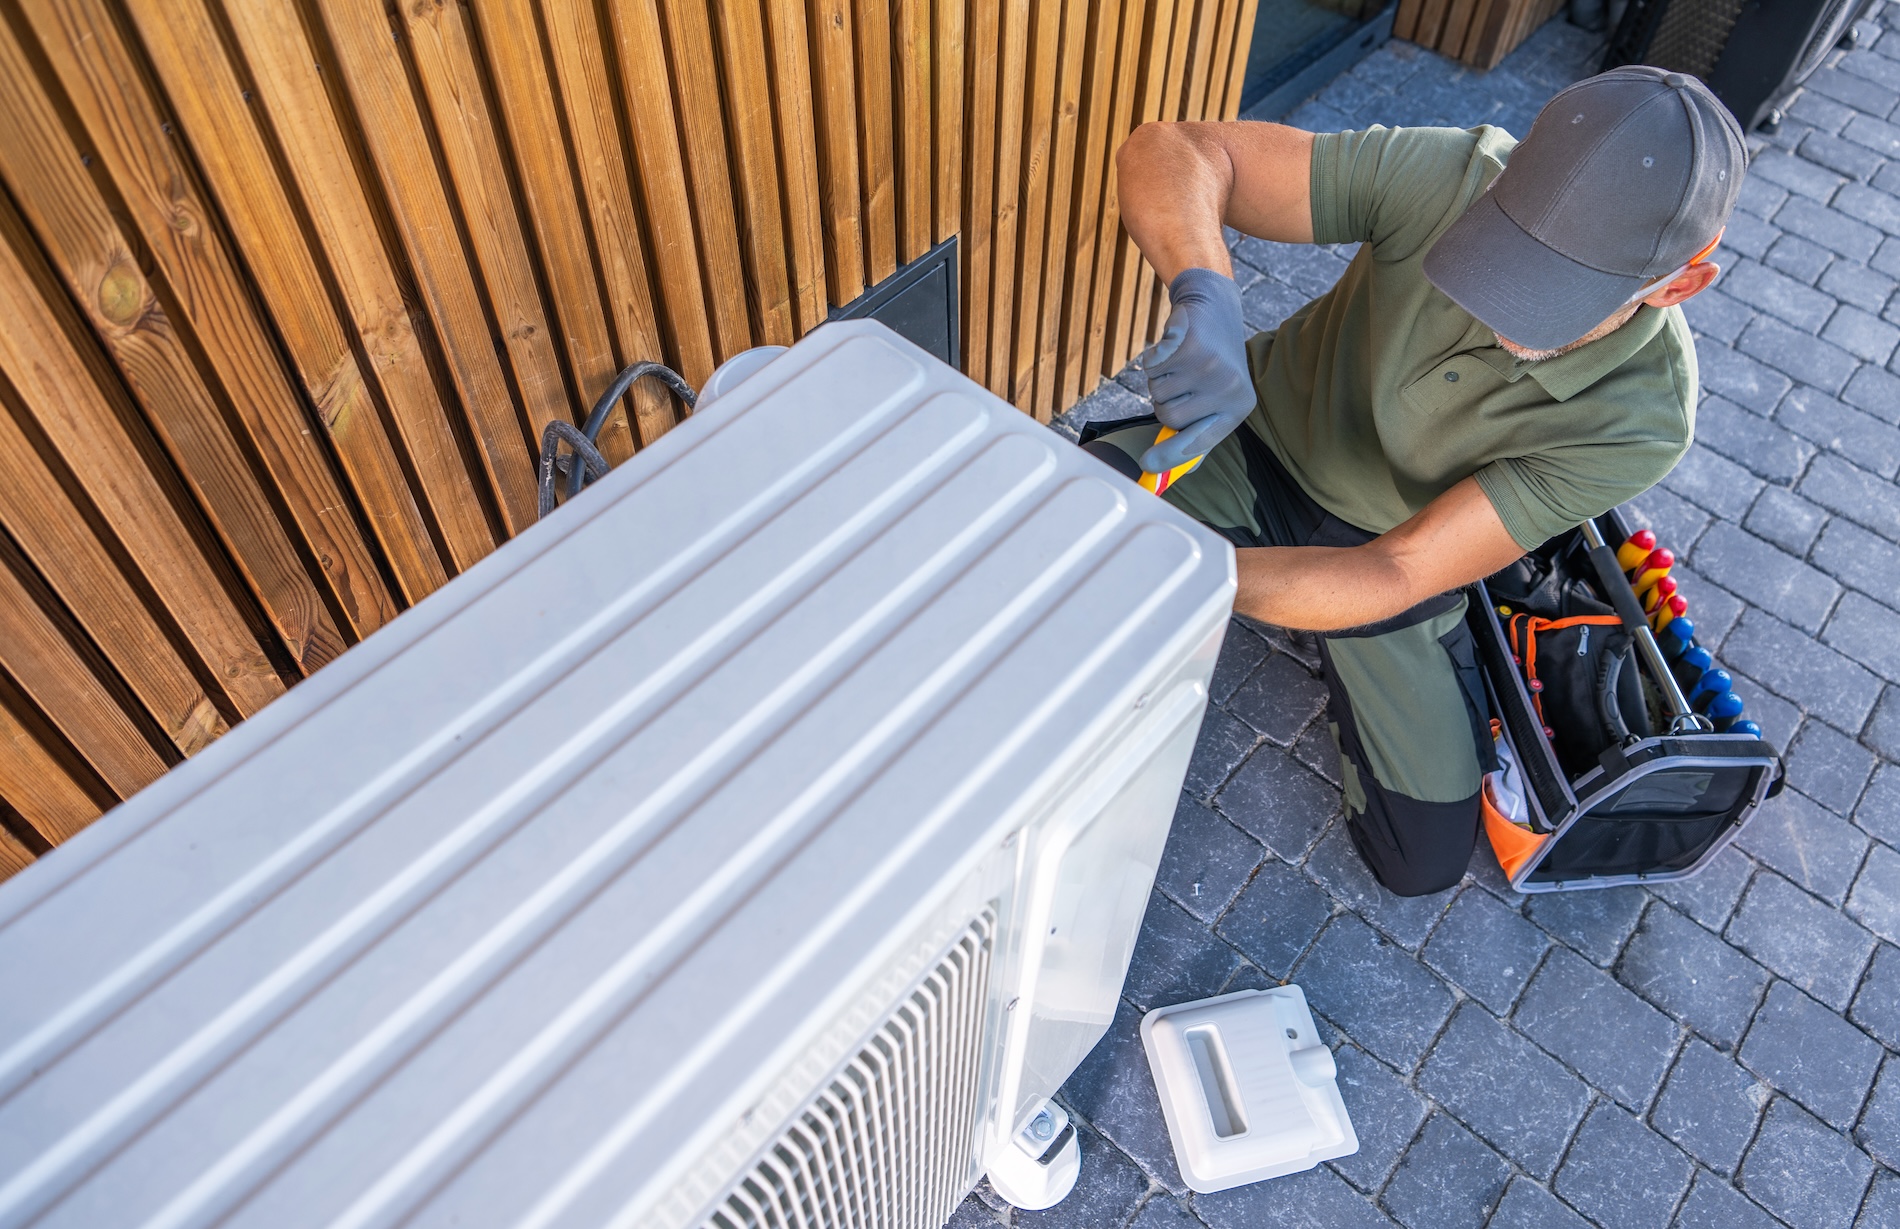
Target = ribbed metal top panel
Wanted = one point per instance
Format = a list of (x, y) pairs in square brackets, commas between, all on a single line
[(486, 921)]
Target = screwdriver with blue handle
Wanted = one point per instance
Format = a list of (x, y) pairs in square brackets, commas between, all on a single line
[(1198, 378)]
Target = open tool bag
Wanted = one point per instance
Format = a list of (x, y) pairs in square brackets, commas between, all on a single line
[(1629, 763)]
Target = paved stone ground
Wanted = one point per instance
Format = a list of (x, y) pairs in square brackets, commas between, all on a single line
[(1720, 1053)]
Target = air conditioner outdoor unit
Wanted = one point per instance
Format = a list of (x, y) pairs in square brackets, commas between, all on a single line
[(760, 840)]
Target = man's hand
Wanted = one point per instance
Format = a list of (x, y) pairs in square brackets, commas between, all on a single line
[(1197, 373), (1452, 541)]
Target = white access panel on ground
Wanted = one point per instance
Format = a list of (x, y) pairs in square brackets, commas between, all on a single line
[(820, 756)]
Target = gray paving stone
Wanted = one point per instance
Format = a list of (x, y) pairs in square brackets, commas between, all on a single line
[(1619, 1172), (1113, 1091), (1876, 391), (1862, 334), (1854, 492), (1757, 445), (1596, 923), (1777, 581), (1870, 205), (1619, 1043), (1863, 560), (1879, 1129), (1691, 974), (1887, 259), (971, 1214), (1797, 354), (1162, 1212), (1798, 258), (1750, 384), (1710, 894), (1877, 1006), (1114, 1187), (1876, 898), (1207, 861), (1874, 68), (1881, 1209), (1716, 315), (1709, 1107), (1517, 1099), (1716, 610), (1803, 1172), (1486, 949), (1241, 653), (1857, 284), (1342, 872), (1315, 1199), (1829, 767), (1777, 718), (1786, 519), (1802, 939), (1816, 849), (1810, 1053), (1375, 993), (1317, 751), (1275, 799), (1869, 633), (1848, 157), (1527, 1205), (1879, 809), (1675, 519), (1863, 439), (1276, 918), (1883, 138), (1385, 1116), (1858, 93), (1224, 742), (1772, 290), (1816, 677), (1448, 1179), (1713, 1204), (1883, 731), (1279, 699), (1709, 479), (1760, 197), (1175, 959), (1268, 302), (1797, 175), (1748, 235), (1832, 229)]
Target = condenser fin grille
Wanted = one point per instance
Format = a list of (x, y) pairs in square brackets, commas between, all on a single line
[(889, 1142)]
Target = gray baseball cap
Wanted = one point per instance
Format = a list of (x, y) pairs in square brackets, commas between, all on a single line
[(1624, 178)]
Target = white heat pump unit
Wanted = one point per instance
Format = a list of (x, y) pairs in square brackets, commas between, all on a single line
[(760, 840)]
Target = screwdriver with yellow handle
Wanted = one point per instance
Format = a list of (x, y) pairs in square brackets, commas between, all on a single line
[(1168, 477)]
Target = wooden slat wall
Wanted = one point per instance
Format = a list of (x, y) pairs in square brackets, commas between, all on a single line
[(291, 290)]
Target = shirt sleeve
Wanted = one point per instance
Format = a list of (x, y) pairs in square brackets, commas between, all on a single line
[(1538, 497), (1394, 188)]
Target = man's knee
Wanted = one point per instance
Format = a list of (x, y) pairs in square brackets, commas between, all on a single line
[(1414, 848)]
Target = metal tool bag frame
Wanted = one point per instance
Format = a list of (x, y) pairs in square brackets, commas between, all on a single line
[(1650, 810)]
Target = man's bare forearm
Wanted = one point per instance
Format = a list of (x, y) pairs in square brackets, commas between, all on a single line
[(1179, 182)]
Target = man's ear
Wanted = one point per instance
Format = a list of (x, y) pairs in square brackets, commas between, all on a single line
[(1692, 282)]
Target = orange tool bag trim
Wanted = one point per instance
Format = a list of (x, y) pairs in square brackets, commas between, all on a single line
[(1523, 640), (1513, 844)]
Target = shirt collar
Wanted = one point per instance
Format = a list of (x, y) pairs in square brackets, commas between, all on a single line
[(1567, 375)]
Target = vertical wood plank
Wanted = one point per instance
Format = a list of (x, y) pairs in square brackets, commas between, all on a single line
[(41, 786), (56, 383), (1109, 237), (876, 142), (1129, 325), (1200, 59), (949, 85), (60, 682), (1237, 66), (1011, 85), (836, 93), (387, 111), (60, 540), (77, 233), (587, 91), (1148, 315), (1092, 152), (207, 290), (530, 102), (699, 111), (979, 184), (748, 100), (913, 64), (798, 159), (1060, 237), (1045, 55), (14, 857)]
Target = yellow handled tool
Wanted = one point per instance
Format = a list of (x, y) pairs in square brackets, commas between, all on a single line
[(1167, 478)]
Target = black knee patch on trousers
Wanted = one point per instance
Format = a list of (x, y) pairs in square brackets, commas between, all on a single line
[(1413, 848)]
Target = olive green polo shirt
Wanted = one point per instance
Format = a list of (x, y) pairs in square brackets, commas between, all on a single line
[(1382, 393)]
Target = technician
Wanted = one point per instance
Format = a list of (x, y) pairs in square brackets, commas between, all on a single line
[(1504, 357)]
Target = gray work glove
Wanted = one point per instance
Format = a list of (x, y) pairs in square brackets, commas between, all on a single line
[(1197, 373)]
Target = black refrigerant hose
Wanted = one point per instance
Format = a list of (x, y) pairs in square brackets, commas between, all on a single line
[(588, 465)]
